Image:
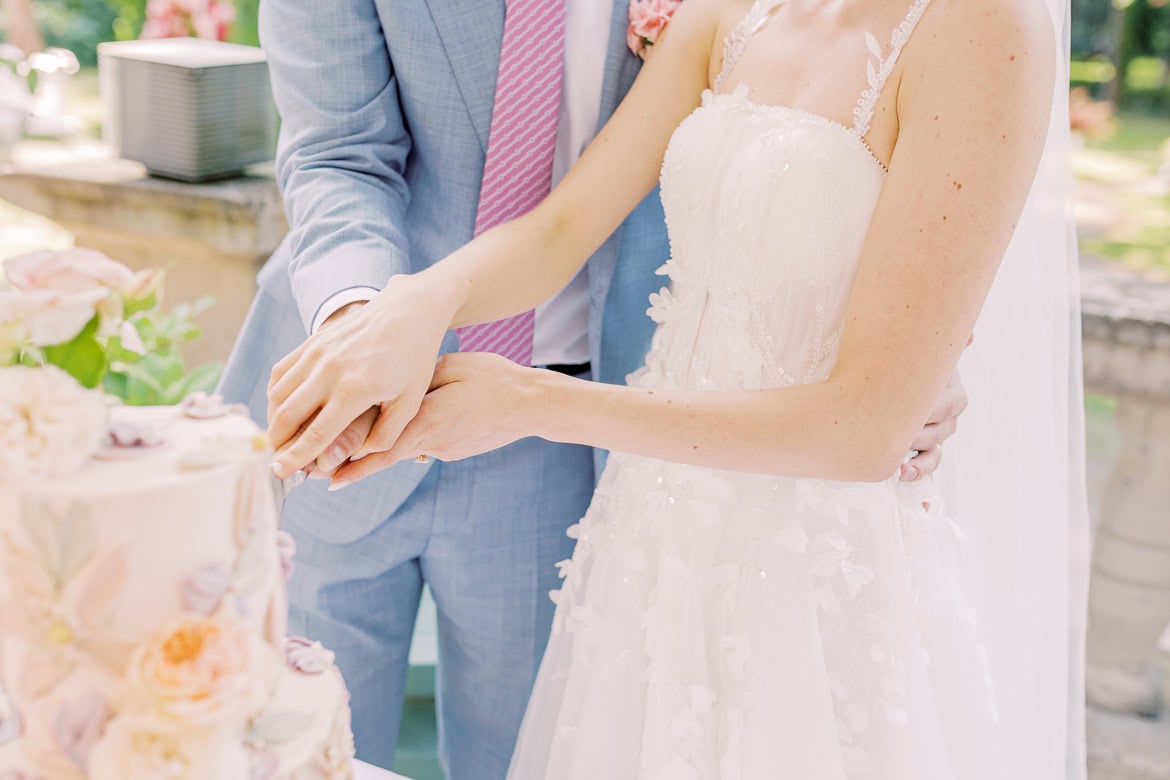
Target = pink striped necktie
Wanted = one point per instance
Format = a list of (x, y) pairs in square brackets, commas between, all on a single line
[(518, 170)]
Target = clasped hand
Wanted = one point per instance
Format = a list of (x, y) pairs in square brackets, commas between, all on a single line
[(379, 355), (329, 413)]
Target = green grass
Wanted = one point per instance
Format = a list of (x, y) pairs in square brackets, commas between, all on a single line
[(1147, 253), (1126, 163), (1139, 136)]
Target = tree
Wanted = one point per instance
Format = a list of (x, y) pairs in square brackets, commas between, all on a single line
[(1141, 28)]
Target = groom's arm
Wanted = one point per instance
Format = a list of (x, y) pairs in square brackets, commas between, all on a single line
[(342, 154)]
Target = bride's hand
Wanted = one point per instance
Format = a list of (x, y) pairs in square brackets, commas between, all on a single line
[(478, 402), (943, 423), (382, 354)]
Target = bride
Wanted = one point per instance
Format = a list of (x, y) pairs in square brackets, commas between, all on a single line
[(752, 593)]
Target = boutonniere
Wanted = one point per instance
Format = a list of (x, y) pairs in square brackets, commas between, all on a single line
[(648, 18)]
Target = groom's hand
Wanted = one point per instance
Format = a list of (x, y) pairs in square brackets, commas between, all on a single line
[(382, 353), (477, 402), (352, 438), (345, 446), (944, 421)]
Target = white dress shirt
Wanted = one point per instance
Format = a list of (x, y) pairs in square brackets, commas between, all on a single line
[(562, 324)]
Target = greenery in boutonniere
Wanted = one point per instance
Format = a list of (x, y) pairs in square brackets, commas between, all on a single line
[(101, 323)]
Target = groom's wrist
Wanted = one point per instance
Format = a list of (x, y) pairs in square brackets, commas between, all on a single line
[(348, 308), (338, 301)]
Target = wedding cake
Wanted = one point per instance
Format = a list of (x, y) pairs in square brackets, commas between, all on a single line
[(142, 573)]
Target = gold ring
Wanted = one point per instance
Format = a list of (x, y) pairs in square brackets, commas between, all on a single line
[(422, 458)]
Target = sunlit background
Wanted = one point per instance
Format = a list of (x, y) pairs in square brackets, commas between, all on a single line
[(61, 185)]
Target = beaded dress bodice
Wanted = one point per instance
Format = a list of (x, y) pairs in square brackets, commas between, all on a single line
[(767, 209)]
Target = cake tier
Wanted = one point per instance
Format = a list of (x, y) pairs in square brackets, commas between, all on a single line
[(143, 614), (93, 564), (303, 734)]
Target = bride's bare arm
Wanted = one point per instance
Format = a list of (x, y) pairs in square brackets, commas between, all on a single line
[(384, 353), (973, 110)]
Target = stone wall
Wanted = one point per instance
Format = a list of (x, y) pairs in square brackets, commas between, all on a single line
[(1127, 355), (211, 238)]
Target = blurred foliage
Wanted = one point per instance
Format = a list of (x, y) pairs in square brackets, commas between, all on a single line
[(1090, 28), (149, 370), (158, 376), (1123, 51), (244, 28), (80, 25)]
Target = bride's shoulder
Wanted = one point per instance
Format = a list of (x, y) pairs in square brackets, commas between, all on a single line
[(989, 24), (708, 19), (715, 12), (988, 39)]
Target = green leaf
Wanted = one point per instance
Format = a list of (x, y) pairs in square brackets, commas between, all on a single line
[(166, 366), (83, 358), (134, 306), (141, 387), (115, 384), (201, 379), (31, 356)]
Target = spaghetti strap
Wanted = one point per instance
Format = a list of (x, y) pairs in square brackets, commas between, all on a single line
[(879, 68), (737, 40)]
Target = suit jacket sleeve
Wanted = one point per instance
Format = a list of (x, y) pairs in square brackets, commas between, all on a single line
[(343, 147)]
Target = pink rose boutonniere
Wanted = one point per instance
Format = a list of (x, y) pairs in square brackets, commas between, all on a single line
[(648, 18)]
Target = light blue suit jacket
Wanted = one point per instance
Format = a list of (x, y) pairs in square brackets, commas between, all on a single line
[(380, 164)]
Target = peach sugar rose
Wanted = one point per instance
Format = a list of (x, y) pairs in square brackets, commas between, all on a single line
[(206, 671)]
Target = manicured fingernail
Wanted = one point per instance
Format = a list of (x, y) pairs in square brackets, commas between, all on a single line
[(910, 473), (338, 485), (278, 469)]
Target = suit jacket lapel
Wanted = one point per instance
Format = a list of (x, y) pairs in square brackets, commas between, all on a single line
[(472, 43), (621, 65)]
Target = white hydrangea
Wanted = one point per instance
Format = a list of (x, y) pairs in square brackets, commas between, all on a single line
[(49, 424)]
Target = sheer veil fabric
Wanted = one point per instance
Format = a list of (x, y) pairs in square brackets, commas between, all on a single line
[(1013, 476)]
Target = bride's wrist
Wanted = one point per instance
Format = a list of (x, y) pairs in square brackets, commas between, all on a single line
[(429, 298), (547, 404)]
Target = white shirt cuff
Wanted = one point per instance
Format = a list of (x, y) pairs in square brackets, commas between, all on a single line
[(339, 301)]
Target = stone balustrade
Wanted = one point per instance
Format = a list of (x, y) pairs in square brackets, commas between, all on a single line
[(1127, 355), (211, 238)]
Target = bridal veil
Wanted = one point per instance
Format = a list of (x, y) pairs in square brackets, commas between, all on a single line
[(1014, 474)]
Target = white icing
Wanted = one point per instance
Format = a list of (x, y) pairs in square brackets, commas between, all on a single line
[(92, 565)]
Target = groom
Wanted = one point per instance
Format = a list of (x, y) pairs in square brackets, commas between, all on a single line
[(408, 126)]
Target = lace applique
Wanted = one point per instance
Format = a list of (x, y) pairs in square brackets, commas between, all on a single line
[(879, 68), (737, 40)]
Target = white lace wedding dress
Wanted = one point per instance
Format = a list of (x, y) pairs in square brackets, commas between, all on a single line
[(725, 625)]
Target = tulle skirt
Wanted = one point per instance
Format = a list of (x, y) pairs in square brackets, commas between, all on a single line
[(742, 627)]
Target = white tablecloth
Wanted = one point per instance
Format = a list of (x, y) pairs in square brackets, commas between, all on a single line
[(363, 771)]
